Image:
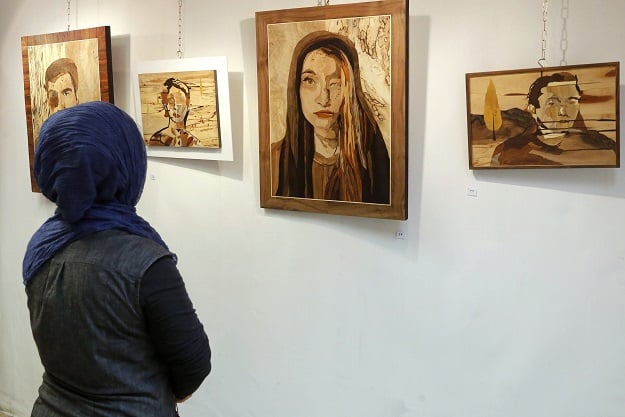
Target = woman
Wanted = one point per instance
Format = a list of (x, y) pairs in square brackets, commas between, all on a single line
[(332, 148), (116, 331)]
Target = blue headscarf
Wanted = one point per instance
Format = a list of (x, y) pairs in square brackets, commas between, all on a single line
[(90, 160)]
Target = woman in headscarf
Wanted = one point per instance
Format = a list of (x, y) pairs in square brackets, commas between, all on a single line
[(332, 148), (116, 331)]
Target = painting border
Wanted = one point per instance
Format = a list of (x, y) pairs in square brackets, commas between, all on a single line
[(612, 67), (397, 209), (220, 65), (103, 36)]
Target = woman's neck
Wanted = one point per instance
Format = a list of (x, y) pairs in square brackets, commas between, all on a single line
[(325, 146)]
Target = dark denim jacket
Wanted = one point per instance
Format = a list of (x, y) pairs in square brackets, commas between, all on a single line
[(88, 325)]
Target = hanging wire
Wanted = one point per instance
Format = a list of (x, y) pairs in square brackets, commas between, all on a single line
[(323, 2), (542, 60), (179, 52), (68, 13), (564, 41)]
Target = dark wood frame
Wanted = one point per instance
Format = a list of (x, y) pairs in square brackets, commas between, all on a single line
[(105, 70), (398, 12), (599, 83)]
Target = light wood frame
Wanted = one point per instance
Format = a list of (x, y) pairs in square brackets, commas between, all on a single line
[(277, 34)]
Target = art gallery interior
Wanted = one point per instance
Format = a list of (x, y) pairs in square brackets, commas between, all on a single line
[(502, 294)]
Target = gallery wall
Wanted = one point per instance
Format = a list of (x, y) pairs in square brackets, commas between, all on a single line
[(505, 296)]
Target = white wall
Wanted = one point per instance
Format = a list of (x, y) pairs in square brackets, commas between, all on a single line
[(508, 304)]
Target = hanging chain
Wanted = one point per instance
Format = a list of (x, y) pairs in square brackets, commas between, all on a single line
[(564, 41), (179, 52), (68, 13), (323, 2), (542, 60)]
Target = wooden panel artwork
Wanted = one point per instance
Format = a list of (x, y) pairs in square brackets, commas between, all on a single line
[(557, 117), (332, 109), (61, 70)]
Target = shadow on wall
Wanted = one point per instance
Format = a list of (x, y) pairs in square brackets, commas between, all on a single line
[(122, 78), (417, 79)]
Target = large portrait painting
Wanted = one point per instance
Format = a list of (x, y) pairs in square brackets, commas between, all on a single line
[(183, 108), (552, 117), (332, 109), (61, 70)]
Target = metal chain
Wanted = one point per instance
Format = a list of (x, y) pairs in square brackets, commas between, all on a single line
[(68, 13), (323, 2), (179, 52), (564, 41), (542, 59)]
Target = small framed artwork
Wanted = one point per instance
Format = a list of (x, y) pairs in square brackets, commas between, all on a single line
[(183, 108), (332, 109), (550, 117), (61, 70)]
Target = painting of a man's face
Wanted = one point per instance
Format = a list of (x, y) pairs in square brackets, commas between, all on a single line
[(62, 70), (61, 93), (559, 105)]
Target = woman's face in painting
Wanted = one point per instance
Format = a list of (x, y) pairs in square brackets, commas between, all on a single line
[(321, 90)]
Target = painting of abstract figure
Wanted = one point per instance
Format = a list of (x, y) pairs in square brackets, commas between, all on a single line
[(330, 99), (179, 109), (544, 118), (183, 108)]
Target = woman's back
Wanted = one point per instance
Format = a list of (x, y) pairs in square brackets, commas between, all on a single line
[(89, 328)]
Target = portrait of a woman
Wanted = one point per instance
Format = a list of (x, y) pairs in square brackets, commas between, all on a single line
[(332, 148)]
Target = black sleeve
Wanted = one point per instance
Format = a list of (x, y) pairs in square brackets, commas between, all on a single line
[(175, 329)]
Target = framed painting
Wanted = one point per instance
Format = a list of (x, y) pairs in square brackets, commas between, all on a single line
[(550, 117), (61, 70), (183, 108), (332, 109)]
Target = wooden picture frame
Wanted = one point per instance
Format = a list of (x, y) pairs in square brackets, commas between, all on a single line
[(63, 69), (552, 117), (183, 108), (349, 157)]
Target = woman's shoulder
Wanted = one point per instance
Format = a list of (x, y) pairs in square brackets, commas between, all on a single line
[(117, 249)]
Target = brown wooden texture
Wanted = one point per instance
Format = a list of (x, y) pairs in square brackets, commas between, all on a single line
[(597, 119), (102, 36), (398, 206)]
